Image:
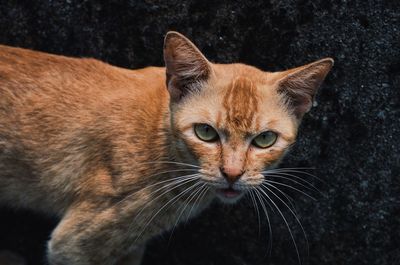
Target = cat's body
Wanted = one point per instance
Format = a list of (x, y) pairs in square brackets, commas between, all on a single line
[(95, 144), (57, 123), (68, 138)]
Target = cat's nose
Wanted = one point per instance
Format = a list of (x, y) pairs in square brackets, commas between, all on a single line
[(231, 174)]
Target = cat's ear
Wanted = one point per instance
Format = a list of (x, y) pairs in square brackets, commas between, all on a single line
[(186, 66), (299, 85)]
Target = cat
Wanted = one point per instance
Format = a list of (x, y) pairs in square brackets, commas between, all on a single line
[(122, 155)]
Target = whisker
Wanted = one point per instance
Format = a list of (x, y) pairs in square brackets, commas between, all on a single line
[(251, 195), (288, 173), (260, 199), (175, 185), (294, 170), (291, 187), (197, 202), (170, 181), (169, 171), (300, 168), (289, 199), (293, 213), (186, 203), (282, 176), (174, 199), (279, 175), (169, 162), (284, 219), (177, 181)]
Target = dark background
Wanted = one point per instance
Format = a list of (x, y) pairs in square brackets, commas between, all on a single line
[(352, 137)]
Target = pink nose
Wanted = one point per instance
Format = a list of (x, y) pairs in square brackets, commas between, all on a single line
[(231, 174)]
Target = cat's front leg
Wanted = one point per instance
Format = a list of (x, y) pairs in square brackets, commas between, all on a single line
[(90, 234)]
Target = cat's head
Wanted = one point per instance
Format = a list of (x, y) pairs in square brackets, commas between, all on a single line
[(234, 120)]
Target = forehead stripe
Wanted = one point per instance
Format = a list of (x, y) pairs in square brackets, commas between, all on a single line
[(240, 103)]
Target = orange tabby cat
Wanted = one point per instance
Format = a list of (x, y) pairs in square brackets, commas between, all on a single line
[(122, 155)]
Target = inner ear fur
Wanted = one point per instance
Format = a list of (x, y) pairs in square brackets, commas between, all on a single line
[(186, 66), (299, 85)]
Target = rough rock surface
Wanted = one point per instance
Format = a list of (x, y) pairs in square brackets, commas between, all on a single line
[(351, 137)]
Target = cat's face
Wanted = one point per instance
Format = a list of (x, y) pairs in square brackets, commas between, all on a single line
[(235, 127), (234, 121)]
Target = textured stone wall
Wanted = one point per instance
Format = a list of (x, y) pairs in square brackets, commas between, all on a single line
[(352, 137)]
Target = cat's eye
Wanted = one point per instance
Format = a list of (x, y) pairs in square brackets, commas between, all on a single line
[(205, 132), (265, 139)]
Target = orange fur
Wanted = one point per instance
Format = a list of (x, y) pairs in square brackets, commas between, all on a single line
[(89, 142)]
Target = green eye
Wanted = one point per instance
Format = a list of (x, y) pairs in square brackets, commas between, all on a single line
[(205, 132), (265, 139)]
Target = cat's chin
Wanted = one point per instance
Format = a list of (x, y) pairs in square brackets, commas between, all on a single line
[(229, 195)]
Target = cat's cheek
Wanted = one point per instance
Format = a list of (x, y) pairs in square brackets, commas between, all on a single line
[(206, 153), (264, 158)]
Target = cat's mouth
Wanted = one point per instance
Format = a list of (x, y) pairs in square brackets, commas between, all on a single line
[(229, 195)]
